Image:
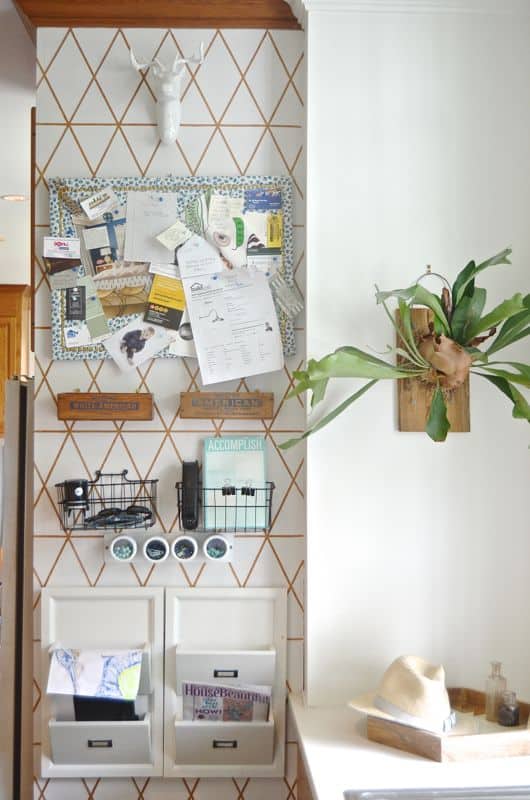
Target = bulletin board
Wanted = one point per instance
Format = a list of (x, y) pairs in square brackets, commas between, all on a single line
[(67, 193)]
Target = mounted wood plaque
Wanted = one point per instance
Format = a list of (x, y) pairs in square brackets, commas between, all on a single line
[(415, 397), (100, 406), (226, 405)]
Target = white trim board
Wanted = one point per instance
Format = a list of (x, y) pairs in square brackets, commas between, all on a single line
[(519, 8)]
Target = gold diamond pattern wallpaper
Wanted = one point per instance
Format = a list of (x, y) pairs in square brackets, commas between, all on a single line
[(242, 113)]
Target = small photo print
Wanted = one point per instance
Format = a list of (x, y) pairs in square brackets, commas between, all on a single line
[(135, 343)]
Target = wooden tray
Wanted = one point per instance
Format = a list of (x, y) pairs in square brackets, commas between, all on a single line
[(498, 742)]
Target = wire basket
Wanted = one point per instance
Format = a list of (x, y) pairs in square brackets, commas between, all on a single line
[(229, 508), (110, 501)]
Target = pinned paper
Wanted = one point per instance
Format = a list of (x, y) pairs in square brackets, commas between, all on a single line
[(226, 228), (57, 247), (196, 215), (148, 213), (77, 335), (235, 327), (64, 280), (198, 257), (99, 203), (262, 200), (232, 243), (94, 314), (175, 235), (169, 270), (264, 243), (221, 211), (166, 302), (104, 243), (182, 343)]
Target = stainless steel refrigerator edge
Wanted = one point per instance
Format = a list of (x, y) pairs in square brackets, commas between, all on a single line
[(16, 662)]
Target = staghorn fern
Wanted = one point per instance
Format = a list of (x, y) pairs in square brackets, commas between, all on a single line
[(444, 357)]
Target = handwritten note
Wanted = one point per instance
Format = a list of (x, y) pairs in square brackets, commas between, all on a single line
[(198, 257)]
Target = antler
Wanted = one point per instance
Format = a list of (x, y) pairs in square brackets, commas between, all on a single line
[(192, 60), (148, 64)]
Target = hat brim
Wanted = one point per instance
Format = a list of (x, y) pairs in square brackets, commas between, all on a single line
[(365, 704)]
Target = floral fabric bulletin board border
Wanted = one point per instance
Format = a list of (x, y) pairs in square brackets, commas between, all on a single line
[(67, 193)]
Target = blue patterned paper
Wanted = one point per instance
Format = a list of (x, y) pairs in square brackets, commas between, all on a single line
[(65, 190)]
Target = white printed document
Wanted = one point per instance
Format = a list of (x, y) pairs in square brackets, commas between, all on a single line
[(235, 327), (148, 213)]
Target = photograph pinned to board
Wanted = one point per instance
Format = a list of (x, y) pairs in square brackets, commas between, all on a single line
[(135, 343), (184, 208)]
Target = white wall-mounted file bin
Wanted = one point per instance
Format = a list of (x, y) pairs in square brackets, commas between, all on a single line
[(228, 636), (224, 743), (108, 743), (225, 666), (95, 619)]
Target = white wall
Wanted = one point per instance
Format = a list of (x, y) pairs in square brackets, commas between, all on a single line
[(17, 96), (418, 152)]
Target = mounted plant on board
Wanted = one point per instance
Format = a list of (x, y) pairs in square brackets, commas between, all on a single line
[(453, 347)]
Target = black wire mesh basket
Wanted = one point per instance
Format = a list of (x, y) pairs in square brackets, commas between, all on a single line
[(110, 501), (229, 509)]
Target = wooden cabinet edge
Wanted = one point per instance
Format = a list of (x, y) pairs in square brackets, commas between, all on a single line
[(15, 335)]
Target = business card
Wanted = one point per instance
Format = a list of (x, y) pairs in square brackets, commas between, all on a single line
[(76, 303), (58, 247), (99, 203)]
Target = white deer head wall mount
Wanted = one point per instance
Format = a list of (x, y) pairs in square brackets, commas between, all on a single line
[(167, 91)]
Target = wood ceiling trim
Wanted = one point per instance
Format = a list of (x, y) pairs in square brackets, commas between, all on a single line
[(157, 13)]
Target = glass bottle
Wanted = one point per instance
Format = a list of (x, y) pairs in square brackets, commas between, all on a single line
[(508, 710), (495, 686)]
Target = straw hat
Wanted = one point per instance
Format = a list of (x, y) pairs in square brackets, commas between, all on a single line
[(412, 692)]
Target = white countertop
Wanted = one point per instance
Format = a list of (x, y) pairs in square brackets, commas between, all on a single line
[(338, 756)]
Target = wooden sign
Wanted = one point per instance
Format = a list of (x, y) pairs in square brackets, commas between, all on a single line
[(415, 397), (101, 406), (226, 405)]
